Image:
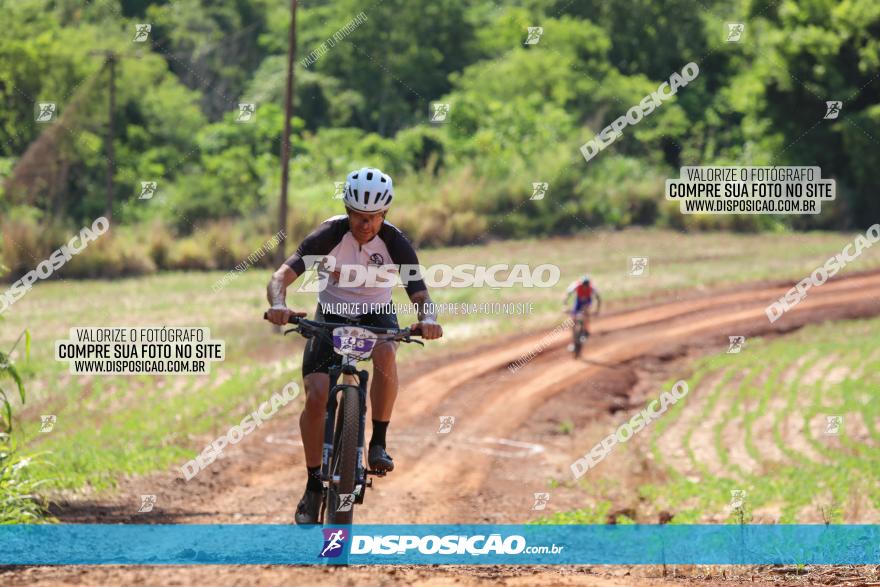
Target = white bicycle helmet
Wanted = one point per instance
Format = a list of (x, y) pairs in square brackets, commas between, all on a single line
[(368, 190)]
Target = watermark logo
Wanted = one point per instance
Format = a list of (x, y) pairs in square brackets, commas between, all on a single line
[(339, 190), (541, 500), (438, 544), (346, 501), (735, 31), (634, 115), (832, 109), (144, 350), (313, 282), (638, 266), (247, 112), (379, 274), (446, 424), (55, 261), (141, 32), (545, 341), (21, 464), (319, 269), (750, 190), (45, 111), (736, 344), (833, 424), (439, 111), (821, 274), (339, 35), (539, 190), (235, 434), (147, 503), (334, 542), (148, 190), (534, 35), (737, 499), (630, 428), (47, 422), (235, 273)]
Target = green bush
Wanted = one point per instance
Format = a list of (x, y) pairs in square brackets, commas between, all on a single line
[(117, 253), (159, 248), (22, 240), (466, 227), (154, 246), (189, 254), (18, 503), (222, 240)]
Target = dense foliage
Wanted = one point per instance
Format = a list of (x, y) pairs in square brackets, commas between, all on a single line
[(19, 503), (519, 112)]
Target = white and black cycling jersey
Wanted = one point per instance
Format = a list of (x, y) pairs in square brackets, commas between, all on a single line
[(333, 238)]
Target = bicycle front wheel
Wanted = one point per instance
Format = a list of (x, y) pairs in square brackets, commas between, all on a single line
[(343, 465)]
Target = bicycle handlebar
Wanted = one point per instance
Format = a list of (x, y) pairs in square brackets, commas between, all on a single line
[(397, 333)]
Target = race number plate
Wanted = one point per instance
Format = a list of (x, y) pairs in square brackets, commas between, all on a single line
[(354, 342)]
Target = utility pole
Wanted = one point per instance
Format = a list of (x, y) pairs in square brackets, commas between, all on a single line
[(110, 59), (111, 66), (285, 139)]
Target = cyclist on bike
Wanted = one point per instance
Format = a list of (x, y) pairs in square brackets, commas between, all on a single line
[(583, 291), (361, 237)]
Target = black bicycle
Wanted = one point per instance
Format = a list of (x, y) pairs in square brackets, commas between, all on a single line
[(579, 335), (343, 473), (578, 330)]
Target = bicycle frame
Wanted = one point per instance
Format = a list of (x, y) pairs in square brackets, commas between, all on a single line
[(580, 319), (351, 377), (584, 314)]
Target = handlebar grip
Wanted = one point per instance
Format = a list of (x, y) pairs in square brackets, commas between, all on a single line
[(290, 319)]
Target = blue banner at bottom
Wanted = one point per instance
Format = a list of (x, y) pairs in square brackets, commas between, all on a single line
[(225, 544)]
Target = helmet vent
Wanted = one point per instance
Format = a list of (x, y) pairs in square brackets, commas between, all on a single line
[(369, 190)]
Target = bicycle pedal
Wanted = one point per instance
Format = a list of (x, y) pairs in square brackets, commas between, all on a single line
[(375, 474)]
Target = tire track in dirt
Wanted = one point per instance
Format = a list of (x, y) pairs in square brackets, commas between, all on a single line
[(427, 391), (436, 480), (508, 402)]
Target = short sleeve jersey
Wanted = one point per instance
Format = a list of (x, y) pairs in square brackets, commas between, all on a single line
[(581, 291), (334, 239)]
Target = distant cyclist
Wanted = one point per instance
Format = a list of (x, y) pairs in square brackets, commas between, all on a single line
[(583, 291), (361, 237)]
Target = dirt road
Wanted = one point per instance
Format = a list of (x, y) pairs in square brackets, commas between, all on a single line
[(504, 444)]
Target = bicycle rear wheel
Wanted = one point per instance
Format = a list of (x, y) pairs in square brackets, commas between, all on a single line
[(343, 463)]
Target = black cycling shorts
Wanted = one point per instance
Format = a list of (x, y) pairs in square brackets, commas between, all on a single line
[(319, 355)]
